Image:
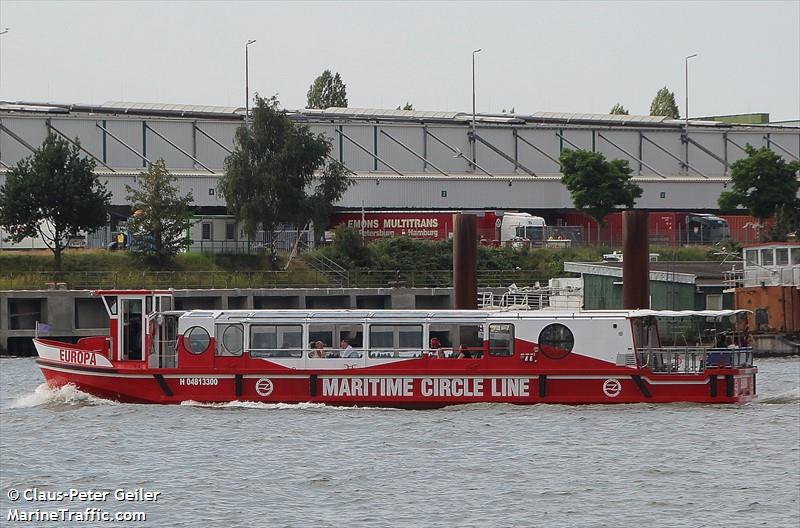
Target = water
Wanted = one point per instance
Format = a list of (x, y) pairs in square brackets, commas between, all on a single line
[(241, 465)]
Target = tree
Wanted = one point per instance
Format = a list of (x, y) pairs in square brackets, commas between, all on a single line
[(767, 186), (327, 91), (278, 173), (664, 104), (618, 109), (160, 215), (53, 193), (598, 186), (407, 106)]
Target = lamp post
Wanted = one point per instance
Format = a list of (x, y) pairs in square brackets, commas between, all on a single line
[(247, 82), (473, 103), (686, 107)]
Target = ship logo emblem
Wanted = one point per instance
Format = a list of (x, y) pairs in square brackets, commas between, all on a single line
[(264, 387), (612, 388)]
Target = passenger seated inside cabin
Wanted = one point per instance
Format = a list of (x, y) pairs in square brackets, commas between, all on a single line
[(436, 348), (463, 353), (347, 351), (317, 349)]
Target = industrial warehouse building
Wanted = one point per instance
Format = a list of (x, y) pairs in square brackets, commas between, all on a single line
[(403, 160)]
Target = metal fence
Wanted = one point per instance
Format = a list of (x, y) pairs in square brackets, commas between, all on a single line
[(98, 280)]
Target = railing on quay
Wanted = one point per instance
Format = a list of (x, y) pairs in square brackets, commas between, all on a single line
[(99, 280)]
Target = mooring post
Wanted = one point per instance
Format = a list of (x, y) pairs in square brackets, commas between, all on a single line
[(465, 262), (635, 261)]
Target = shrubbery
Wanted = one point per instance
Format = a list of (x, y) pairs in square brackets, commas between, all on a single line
[(406, 254)]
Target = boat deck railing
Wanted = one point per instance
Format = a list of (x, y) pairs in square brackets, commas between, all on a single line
[(692, 360)]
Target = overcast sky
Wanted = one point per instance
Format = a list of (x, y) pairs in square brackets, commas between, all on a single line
[(537, 56)]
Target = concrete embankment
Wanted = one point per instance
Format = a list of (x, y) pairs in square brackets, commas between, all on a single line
[(72, 314)]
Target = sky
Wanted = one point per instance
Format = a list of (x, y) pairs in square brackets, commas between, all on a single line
[(537, 56)]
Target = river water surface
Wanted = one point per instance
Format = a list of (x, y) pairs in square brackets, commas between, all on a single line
[(241, 465)]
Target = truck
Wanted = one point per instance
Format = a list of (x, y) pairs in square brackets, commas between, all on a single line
[(491, 225)]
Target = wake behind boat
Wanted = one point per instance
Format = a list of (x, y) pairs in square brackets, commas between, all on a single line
[(395, 358)]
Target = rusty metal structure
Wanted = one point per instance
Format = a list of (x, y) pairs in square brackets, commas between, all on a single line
[(465, 262), (636, 261)]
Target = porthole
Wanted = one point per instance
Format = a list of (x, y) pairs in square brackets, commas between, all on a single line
[(233, 340), (196, 339), (556, 341)]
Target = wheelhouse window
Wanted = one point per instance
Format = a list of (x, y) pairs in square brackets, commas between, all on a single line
[(332, 335), (395, 341), (452, 340), (197, 339), (751, 257), (556, 341), (276, 341), (795, 256), (766, 257), (230, 340), (111, 304), (501, 339)]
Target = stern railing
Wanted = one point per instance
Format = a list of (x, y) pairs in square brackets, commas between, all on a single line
[(692, 360)]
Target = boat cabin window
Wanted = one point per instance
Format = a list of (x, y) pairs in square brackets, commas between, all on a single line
[(332, 335), (111, 304), (148, 304), (395, 341), (197, 339), (132, 329), (457, 338), (751, 257), (766, 257), (782, 256), (166, 303), (501, 339), (276, 341), (230, 340), (556, 341)]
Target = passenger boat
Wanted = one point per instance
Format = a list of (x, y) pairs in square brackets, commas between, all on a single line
[(392, 358)]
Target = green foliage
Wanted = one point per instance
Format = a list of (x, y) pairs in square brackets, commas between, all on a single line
[(618, 109), (765, 185), (407, 106), (277, 173), (327, 91), (54, 194), (598, 186), (664, 104), (160, 215), (120, 261)]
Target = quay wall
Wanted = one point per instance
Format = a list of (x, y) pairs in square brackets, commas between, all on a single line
[(72, 314)]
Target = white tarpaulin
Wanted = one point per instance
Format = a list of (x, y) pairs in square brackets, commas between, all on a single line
[(686, 313)]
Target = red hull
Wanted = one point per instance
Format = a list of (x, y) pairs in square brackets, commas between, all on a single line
[(405, 388)]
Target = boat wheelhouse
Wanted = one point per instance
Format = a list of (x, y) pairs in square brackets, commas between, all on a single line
[(397, 358)]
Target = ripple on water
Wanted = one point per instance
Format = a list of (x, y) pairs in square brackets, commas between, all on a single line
[(475, 465)]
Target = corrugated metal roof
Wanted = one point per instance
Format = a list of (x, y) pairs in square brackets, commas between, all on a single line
[(599, 118), (168, 107), (366, 113)]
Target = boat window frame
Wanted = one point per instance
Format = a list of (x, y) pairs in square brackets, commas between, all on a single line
[(188, 340), (294, 353), (509, 350), (221, 349), (396, 351), (548, 342)]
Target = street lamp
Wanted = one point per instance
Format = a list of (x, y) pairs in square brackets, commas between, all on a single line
[(473, 103), (686, 107), (686, 77), (247, 82)]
